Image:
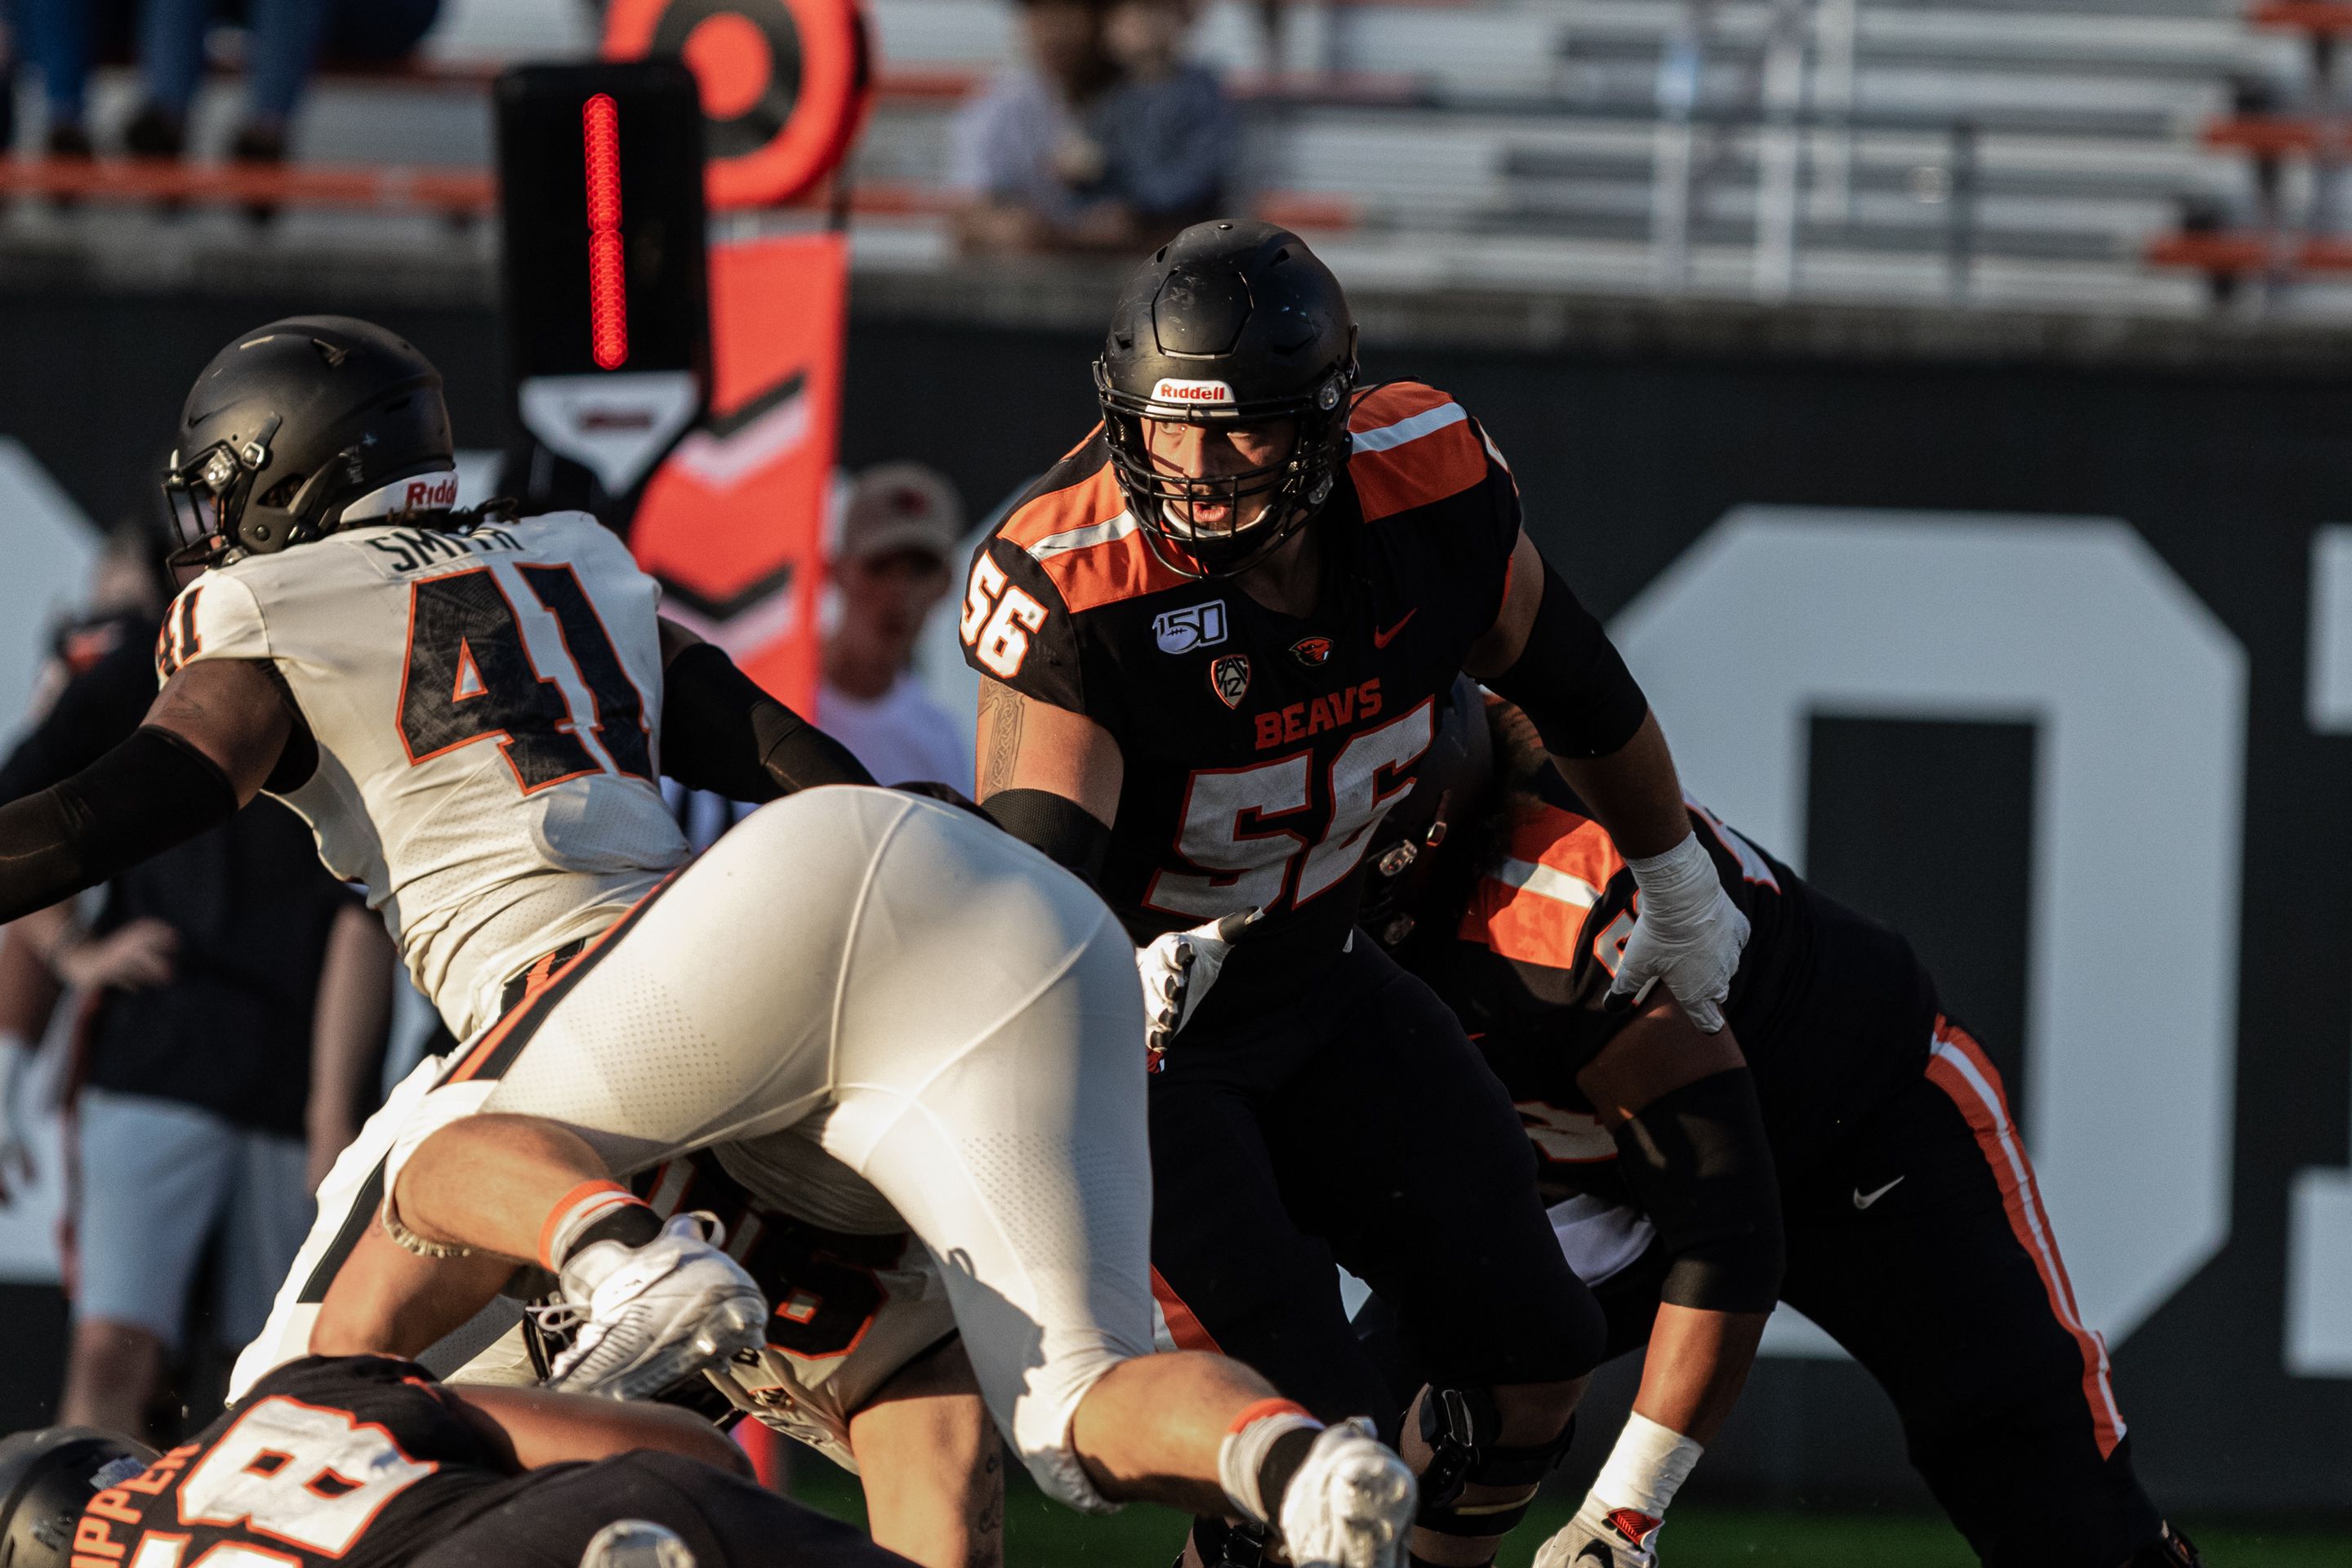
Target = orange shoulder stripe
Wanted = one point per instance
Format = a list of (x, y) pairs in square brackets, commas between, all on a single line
[(1531, 909), (1412, 444), (1087, 544)]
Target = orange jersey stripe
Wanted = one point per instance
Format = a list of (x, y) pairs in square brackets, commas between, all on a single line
[(1957, 1065), (1413, 445), (1531, 909), (1088, 546), (1182, 1326)]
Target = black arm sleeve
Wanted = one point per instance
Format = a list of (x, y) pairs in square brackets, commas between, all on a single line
[(1571, 681), (723, 733), (150, 792), (97, 710), (1698, 1164), (1065, 831)]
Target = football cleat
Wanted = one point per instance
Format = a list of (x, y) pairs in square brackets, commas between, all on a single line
[(2172, 1550), (1351, 1505), (648, 1318)]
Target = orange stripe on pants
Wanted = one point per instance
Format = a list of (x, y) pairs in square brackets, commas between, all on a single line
[(1957, 1065), (1182, 1326)]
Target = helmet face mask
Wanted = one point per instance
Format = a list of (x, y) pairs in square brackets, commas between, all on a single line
[(1231, 325)]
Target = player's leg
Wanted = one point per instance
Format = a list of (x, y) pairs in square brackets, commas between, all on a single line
[(1399, 1146), (552, 1515), (263, 1223), (926, 1424), (154, 1175), (1003, 1120), (1949, 1286)]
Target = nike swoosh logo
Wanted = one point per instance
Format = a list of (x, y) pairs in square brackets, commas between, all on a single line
[(1382, 638), (1595, 1552), (1863, 1200)]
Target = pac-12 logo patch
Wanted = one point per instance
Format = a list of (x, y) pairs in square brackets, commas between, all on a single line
[(1194, 625), (1229, 678), (1311, 651)]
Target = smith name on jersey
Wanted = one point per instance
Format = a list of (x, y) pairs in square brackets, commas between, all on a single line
[(485, 707), (1260, 749)]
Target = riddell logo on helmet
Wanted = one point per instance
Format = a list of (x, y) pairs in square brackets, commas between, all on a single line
[(439, 491), (1171, 390)]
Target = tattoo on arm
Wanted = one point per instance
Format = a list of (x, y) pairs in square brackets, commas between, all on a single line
[(1000, 711)]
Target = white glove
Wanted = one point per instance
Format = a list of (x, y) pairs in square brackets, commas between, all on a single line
[(1601, 1537), (17, 1060), (1689, 934), (1179, 967), (1352, 1504)]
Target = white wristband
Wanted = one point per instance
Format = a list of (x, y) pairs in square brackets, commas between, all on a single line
[(1646, 1469), (1685, 874)]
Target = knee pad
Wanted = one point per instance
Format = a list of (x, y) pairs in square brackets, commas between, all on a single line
[(1460, 1426)]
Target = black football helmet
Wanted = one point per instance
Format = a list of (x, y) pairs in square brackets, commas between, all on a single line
[(47, 1477), (295, 422), (1450, 788), (1231, 322)]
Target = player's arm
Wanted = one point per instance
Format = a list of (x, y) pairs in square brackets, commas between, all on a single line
[(541, 1428), (1548, 653), (1049, 776), (1683, 1110), (720, 731), (216, 732)]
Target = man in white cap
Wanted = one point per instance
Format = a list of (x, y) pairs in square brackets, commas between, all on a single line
[(902, 526)]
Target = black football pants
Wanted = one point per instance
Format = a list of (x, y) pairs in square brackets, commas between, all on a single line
[(1351, 1121), (1921, 1245), (551, 1516)]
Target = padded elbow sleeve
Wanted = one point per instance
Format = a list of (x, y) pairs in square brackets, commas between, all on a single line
[(1698, 1162), (1064, 830), (720, 731), (151, 792), (1571, 681)]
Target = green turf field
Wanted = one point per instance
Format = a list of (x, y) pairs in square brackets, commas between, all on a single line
[(1040, 1534)]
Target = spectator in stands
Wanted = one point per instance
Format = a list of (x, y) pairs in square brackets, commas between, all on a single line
[(1168, 134), (284, 40), (60, 37), (1111, 139), (1021, 155), (900, 534), (240, 997)]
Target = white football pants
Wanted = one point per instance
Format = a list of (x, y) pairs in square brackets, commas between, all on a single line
[(860, 980)]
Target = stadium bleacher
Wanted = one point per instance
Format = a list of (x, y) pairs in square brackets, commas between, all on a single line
[(2093, 154)]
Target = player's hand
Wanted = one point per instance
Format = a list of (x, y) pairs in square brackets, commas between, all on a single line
[(1179, 967), (16, 1118), (131, 957), (1602, 1537), (1689, 934)]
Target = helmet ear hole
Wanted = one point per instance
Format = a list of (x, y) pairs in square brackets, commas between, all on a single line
[(283, 492)]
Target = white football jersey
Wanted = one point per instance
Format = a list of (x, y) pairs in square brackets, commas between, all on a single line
[(487, 705)]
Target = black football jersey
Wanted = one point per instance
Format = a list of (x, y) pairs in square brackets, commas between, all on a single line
[(357, 1461), (1260, 749), (1831, 1009)]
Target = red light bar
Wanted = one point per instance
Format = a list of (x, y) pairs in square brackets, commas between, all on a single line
[(608, 288)]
